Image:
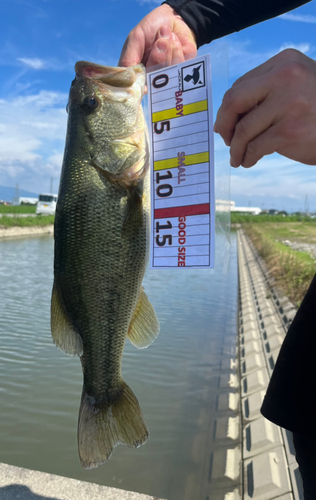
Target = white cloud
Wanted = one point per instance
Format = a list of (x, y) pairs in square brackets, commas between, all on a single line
[(55, 161), (32, 136), (32, 63), (301, 47), (15, 148), (273, 179), (301, 18), (51, 63)]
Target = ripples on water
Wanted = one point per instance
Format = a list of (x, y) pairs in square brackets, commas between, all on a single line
[(175, 379)]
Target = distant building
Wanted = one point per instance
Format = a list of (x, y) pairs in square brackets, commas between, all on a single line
[(21, 200), (226, 205), (247, 210)]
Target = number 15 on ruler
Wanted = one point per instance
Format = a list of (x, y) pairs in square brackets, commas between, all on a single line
[(182, 167)]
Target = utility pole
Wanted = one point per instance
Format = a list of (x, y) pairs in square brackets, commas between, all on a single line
[(306, 205)]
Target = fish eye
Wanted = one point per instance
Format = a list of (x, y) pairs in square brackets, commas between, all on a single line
[(91, 102)]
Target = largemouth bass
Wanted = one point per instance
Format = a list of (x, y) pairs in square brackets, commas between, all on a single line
[(101, 247)]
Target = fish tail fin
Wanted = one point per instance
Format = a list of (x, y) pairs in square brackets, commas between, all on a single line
[(100, 430)]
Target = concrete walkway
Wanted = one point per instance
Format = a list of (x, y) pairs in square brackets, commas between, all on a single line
[(270, 469), (23, 484)]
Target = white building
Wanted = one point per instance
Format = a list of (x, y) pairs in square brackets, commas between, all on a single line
[(247, 210), (23, 199), (226, 205)]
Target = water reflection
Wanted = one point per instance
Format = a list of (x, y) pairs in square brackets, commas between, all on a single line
[(176, 379)]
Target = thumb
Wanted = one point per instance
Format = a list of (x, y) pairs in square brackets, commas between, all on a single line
[(133, 49)]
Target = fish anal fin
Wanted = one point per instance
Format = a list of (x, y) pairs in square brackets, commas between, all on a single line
[(100, 430), (63, 333), (144, 327)]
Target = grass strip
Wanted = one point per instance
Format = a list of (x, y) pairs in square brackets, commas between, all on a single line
[(292, 270), (237, 218), (17, 209), (40, 220)]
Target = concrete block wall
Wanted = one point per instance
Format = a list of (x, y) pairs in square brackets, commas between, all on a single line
[(269, 467), (225, 472)]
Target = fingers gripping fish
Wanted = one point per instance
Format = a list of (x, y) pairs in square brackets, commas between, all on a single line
[(101, 249)]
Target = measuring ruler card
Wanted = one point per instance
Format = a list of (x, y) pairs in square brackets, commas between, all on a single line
[(182, 165)]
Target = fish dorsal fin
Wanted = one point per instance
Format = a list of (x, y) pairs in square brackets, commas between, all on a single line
[(63, 333), (144, 327)]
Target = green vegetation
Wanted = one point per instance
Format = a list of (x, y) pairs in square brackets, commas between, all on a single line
[(292, 270), (237, 218), (17, 209), (40, 220), (292, 231)]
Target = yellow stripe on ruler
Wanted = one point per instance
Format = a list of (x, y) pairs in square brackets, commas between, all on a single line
[(189, 160), (188, 109)]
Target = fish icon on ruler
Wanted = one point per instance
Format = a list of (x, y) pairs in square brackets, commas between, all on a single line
[(193, 76)]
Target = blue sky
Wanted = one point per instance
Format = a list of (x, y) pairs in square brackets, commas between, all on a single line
[(42, 39)]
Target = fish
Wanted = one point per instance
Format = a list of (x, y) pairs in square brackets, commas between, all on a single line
[(101, 251)]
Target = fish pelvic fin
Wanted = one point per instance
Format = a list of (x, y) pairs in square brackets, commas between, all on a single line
[(63, 333), (144, 327), (100, 430)]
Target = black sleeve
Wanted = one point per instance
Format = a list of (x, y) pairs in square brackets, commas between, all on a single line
[(211, 19), (290, 398)]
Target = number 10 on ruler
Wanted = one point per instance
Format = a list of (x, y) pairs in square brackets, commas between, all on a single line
[(182, 167)]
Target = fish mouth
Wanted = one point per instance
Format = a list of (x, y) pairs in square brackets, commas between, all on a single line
[(110, 75)]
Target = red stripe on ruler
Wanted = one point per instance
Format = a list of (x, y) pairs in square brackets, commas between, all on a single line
[(166, 213)]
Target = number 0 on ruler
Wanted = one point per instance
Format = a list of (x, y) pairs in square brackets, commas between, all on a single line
[(182, 165)]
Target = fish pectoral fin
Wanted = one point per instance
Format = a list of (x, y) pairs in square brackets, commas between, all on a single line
[(63, 333), (101, 429), (133, 217), (144, 327)]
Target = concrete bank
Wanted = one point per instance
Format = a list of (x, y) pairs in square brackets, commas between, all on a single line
[(19, 231), (269, 467), (24, 484), (18, 215)]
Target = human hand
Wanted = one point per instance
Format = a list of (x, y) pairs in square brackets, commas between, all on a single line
[(162, 37), (271, 109)]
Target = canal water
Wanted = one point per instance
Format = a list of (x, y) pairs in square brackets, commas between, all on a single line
[(176, 379)]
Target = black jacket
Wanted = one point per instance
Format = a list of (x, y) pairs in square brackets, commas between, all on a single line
[(211, 19), (290, 398)]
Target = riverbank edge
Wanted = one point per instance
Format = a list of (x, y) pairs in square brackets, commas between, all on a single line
[(268, 461), (22, 231), (16, 482)]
